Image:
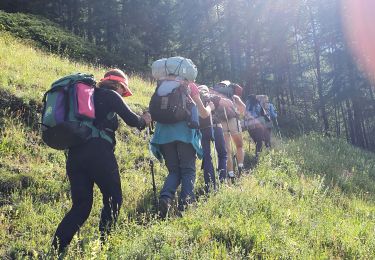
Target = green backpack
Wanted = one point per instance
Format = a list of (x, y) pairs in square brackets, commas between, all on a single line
[(68, 112)]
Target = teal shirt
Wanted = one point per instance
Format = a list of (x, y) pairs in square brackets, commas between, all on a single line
[(167, 133)]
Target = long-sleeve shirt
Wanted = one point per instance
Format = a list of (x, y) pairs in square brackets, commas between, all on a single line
[(108, 102)]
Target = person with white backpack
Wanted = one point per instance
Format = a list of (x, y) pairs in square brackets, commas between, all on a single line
[(175, 106)]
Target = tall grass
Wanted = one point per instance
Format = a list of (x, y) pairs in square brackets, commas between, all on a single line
[(27, 72), (349, 168)]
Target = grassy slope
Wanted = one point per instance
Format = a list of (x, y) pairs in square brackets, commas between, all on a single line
[(48, 36), (285, 209)]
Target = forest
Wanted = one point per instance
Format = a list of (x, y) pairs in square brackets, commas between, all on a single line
[(300, 53)]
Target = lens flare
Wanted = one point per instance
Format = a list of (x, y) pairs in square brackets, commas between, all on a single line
[(359, 22)]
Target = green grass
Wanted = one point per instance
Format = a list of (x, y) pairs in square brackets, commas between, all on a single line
[(27, 72), (310, 198), (349, 168)]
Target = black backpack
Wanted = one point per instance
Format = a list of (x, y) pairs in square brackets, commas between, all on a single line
[(172, 108)]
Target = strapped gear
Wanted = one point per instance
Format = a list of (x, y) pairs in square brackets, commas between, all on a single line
[(69, 112), (171, 103)]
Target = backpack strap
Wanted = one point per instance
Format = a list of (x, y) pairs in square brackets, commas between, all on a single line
[(97, 132), (167, 72), (44, 106), (67, 101)]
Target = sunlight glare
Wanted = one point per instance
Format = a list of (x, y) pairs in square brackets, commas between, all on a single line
[(359, 22)]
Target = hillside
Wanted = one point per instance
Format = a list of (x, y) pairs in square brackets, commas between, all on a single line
[(48, 36), (309, 198)]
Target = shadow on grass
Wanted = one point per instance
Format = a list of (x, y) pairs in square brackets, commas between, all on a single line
[(27, 112)]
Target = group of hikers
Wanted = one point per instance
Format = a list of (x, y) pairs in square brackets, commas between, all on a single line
[(189, 118)]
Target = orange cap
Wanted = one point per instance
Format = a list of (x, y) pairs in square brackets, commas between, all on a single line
[(122, 81)]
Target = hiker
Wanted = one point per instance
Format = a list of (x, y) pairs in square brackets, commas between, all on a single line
[(178, 144), (272, 116), (212, 130), (231, 125), (94, 161), (255, 123)]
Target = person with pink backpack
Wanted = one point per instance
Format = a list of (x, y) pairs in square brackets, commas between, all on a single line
[(94, 162)]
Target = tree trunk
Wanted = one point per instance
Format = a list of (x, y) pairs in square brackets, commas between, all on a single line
[(337, 121), (353, 138), (319, 74), (345, 122)]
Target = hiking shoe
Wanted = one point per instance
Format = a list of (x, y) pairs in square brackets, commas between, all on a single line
[(231, 174), (164, 206)]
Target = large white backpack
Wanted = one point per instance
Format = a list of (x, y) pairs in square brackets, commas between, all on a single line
[(178, 66)]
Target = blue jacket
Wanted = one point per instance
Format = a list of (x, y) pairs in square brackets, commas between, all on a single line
[(167, 133), (271, 111)]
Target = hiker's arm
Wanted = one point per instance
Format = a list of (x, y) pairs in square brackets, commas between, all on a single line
[(204, 112), (239, 104), (123, 110)]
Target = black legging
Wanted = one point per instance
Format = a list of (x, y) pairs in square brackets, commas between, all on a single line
[(257, 134), (267, 137), (93, 162)]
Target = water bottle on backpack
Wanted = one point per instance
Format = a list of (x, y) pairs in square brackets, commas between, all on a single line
[(194, 117)]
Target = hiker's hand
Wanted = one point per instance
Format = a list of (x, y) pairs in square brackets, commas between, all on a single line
[(211, 105), (147, 117)]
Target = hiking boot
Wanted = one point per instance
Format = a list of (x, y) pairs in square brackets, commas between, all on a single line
[(164, 206)]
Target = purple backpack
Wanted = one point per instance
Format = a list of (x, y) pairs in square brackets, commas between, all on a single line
[(69, 112)]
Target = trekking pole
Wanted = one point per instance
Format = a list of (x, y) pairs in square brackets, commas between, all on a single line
[(153, 183), (278, 129), (151, 163), (216, 170), (230, 141), (239, 132)]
